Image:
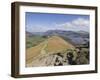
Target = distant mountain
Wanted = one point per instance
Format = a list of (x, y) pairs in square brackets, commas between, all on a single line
[(29, 34), (83, 33), (79, 37), (38, 33), (67, 33), (74, 37)]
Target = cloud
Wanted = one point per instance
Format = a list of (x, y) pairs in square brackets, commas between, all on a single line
[(76, 24), (37, 28), (66, 24), (80, 22)]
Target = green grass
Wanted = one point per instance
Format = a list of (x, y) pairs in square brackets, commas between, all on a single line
[(33, 41)]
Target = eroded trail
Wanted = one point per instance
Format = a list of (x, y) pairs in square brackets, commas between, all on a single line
[(45, 53), (41, 58), (43, 50)]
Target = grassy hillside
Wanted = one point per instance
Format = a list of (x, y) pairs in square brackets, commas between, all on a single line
[(42, 50), (51, 45), (33, 40)]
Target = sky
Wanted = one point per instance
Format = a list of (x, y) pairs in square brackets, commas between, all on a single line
[(41, 22)]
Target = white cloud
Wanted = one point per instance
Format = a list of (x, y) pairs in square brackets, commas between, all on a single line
[(80, 22), (66, 24), (37, 28), (74, 25), (77, 24)]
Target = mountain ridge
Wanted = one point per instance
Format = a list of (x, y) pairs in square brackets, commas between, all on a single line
[(52, 45), (79, 37)]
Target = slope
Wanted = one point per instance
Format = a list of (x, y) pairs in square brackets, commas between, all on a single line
[(52, 45)]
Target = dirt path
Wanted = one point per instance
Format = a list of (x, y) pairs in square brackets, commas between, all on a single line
[(43, 50)]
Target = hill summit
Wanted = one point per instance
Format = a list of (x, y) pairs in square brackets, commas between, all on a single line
[(39, 55)]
